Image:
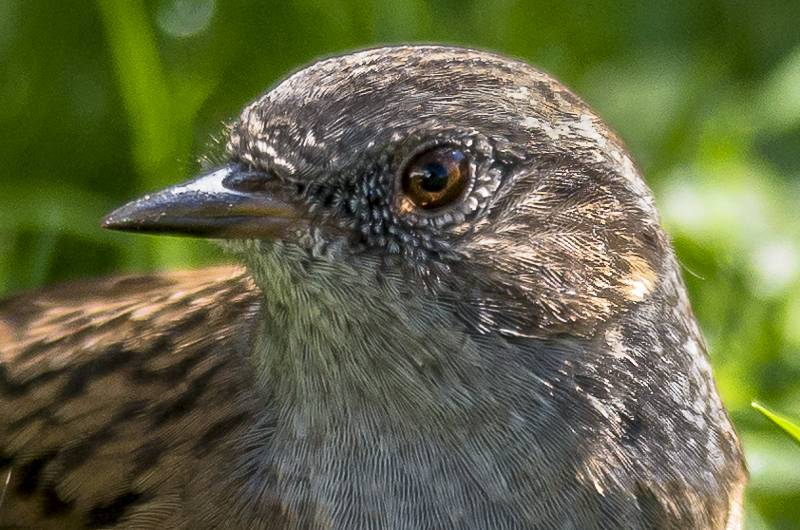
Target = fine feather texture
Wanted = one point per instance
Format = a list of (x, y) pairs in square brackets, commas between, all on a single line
[(521, 356), (111, 391)]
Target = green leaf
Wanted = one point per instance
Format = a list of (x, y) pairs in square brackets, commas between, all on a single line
[(790, 428)]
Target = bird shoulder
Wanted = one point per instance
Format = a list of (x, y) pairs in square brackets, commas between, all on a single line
[(104, 383)]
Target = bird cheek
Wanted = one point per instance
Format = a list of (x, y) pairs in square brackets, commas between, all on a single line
[(640, 281)]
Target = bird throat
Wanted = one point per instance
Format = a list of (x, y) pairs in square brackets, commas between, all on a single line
[(376, 389), (341, 343)]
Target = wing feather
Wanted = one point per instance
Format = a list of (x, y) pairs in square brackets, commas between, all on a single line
[(111, 390)]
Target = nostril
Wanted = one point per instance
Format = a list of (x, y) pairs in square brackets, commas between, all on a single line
[(248, 181)]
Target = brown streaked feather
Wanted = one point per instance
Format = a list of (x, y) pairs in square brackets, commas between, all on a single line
[(102, 380)]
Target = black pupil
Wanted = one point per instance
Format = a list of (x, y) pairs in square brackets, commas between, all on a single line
[(435, 178)]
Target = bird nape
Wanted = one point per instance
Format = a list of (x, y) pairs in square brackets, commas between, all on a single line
[(457, 310)]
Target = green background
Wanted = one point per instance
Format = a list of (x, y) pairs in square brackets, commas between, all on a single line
[(102, 101)]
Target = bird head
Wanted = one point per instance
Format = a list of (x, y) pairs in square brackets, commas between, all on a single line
[(477, 179), (466, 292)]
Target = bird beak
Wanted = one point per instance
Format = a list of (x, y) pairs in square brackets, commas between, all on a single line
[(230, 202)]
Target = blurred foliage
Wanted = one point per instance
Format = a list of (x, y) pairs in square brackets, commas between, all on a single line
[(791, 429), (102, 101)]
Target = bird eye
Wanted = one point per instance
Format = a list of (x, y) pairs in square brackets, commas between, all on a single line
[(436, 177)]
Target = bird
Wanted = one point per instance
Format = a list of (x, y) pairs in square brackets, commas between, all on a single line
[(455, 308)]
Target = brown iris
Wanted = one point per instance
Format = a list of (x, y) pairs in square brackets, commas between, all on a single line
[(436, 177)]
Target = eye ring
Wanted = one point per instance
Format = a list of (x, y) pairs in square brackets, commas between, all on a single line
[(436, 177)]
